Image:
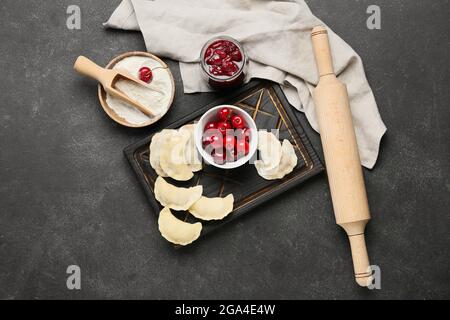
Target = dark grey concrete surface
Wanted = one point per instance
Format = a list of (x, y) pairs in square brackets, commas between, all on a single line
[(68, 196)]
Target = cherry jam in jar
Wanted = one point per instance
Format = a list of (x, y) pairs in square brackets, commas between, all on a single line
[(224, 63)]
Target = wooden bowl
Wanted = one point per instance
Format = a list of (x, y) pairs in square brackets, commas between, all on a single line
[(102, 93)]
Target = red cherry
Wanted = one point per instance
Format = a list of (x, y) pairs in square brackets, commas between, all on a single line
[(231, 155), (227, 49), (216, 141), (242, 148), (226, 60), (229, 142), (224, 114), (237, 122), (219, 155), (212, 143), (223, 126), (214, 60), (221, 54), (229, 68), (210, 126), (144, 70), (247, 134), (228, 46), (216, 70), (236, 55), (206, 141), (212, 137), (217, 44), (208, 53), (243, 134), (145, 74)]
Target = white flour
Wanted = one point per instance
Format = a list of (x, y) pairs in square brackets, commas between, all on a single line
[(156, 101)]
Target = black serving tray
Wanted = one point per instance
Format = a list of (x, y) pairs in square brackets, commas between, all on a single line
[(269, 107)]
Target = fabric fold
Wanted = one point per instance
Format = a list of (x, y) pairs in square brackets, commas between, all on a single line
[(276, 37)]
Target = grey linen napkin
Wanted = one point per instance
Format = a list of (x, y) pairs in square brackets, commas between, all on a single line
[(276, 37)]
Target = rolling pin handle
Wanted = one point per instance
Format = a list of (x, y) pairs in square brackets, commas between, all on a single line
[(322, 51), (363, 273)]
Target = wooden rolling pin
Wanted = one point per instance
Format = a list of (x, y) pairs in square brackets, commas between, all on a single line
[(342, 160)]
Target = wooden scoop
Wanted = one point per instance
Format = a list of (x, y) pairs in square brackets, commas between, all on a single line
[(108, 78)]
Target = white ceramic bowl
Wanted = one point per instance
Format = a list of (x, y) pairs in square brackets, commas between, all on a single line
[(211, 115)]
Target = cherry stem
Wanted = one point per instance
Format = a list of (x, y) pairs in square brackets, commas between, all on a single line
[(149, 84), (159, 68)]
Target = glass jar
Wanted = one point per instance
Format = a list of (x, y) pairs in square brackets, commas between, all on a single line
[(224, 63)]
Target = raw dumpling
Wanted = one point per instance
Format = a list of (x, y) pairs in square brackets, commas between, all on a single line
[(287, 164), (288, 160), (174, 197), (192, 156), (155, 149), (270, 153), (180, 156), (177, 231), (172, 158), (212, 208)]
